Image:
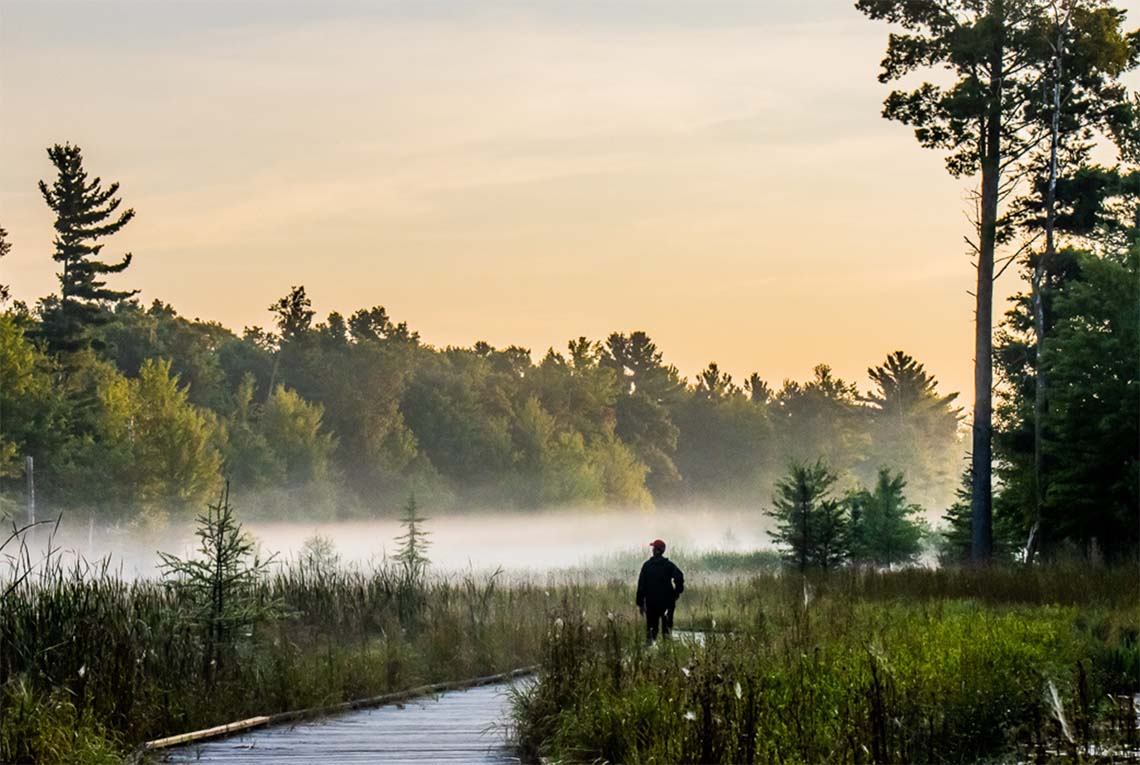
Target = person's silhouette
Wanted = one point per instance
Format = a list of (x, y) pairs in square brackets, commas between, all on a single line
[(658, 586)]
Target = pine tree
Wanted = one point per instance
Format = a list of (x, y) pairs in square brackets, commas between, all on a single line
[(759, 391), (985, 49), (1087, 53), (294, 314), (220, 582), (913, 428), (85, 213), (809, 522), (954, 546), (413, 542), (883, 525), (832, 535)]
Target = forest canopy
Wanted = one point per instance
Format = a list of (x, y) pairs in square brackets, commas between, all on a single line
[(346, 416)]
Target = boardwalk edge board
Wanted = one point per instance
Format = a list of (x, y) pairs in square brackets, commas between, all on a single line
[(262, 721)]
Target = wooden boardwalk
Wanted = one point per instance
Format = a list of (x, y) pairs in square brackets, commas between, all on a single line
[(457, 726)]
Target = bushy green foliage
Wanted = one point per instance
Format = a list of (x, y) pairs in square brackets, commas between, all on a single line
[(954, 538), (884, 529), (872, 667), (126, 448), (322, 418), (1092, 422), (727, 445), (909, 419), (97, 664), (30, 407), (813, 526), (174, 459), (294, 429), (346, 416)]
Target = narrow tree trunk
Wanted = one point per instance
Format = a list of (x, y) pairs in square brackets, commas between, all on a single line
[(1040, 270), (981, 499)]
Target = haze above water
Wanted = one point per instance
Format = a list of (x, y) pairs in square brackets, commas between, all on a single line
[(522, 543)]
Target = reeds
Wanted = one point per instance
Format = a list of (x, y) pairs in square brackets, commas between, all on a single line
[(906, 666), (912, 666), (92, 662)]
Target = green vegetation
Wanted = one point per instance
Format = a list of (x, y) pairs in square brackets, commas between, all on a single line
[(1025, 90), (95, 664), (910, 666), (1092, 424), (876, 526), (473, 427), (133, 413), (711, 564), (884, 527), (85, 212), (853, 664), (219, 585), (810, 524), (413, 543)]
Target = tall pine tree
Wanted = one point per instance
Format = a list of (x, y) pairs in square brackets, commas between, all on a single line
[(85, 213), (988, 48)]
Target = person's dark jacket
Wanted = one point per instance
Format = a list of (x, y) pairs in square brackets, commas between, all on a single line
[(659, 584)]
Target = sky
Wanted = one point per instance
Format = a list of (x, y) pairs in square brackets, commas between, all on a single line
[(714, 172)]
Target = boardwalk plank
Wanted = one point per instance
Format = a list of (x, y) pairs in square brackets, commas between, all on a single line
[(458, 726)]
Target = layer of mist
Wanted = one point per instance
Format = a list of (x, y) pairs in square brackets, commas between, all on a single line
[(522, 543)]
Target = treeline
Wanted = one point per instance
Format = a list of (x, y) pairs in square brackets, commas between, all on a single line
[(349, 416), (133, 411)]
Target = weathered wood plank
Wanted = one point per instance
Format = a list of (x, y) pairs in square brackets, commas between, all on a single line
[(217, 730), (457, 726)]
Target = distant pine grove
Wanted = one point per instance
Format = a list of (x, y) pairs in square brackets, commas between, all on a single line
[(134, 413)]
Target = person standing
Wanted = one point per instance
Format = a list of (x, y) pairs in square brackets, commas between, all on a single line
[(658, 587)]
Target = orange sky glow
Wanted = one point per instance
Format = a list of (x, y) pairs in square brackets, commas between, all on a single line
[(715, 173)]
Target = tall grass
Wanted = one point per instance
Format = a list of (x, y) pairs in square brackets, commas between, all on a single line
[(92, 664), (858, 666), (714, 564), (911, 666)]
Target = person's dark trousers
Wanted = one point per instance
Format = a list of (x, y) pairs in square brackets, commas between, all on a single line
[(658, 619)]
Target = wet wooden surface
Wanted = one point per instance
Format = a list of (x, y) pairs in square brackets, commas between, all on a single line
[(458, 726)]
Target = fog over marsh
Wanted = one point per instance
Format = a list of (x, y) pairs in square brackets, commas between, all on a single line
[(523, 543)]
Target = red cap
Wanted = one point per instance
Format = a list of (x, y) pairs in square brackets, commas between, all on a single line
[(657, 544)]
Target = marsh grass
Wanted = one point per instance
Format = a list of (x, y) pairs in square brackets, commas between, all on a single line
[(908, 666), (859, 666), (94, 664), (716, 564)]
